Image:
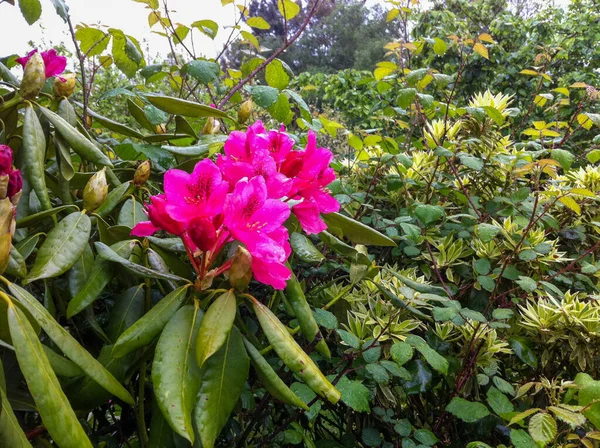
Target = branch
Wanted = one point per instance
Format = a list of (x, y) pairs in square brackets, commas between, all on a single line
[(81, 58), (277, 52)]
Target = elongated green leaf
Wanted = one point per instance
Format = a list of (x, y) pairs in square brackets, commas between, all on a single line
[(16, 264), (151, 324), (62, 248), (216, 326), (305, 249), (95, 280), (34, 156), (131, 213), (113, 125), (175, 374), (11, 434), (37, 217), (79, 274), (68, 345), (222, 383), (107, 253), (52, 404), (269, 378), (113, 198), (77, 141), (205, 144), (161, 434), (61, 365), (184, 107), (128, 308), (356, 231)]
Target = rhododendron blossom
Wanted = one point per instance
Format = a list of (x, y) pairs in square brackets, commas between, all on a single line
[(54, 63), (246, 196)]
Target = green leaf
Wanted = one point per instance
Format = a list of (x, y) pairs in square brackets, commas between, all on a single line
[(355, 231), (107, 253), (288, 9), (354, 394), (161, 435), (405, 97), (52, 404), (113, 198), (126, 53), (487, 232), (371, 437), (305, 249), (426, 437), (215, 327), (175, 374), (573, 419), (183, 107), (325, 318), (467, 411), (428, 214), (258, 23), (222, 383), (100, 274), (521, 439), (129, 306), (264, 96), (61, 365), (483, 266), (564, 157), (131, 214), (439, 46), (403, 427), (204, 71), (542, 428), (349, 339), (62, 248), (527, 283), (475, 163), (11, 434), (207, 27), (92, 41), (504, 386), (68, 345), (499, 403), (494, 114), (34, 156), (589, 396), (34, 219), (528, 255), (433, 358), (401, 352), (523, 351), (378, 373), (276, 75), (143, 331), (31, 10)]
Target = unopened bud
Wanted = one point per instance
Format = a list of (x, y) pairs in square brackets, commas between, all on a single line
[(4, 185), (95, 191), (64, 88), (212, 126), (15, 186), (34, 77), (142, 173), (202, 233), (7, 228), (245, 111), (240, 272), (89, 121), (5, 159), (160, 129)]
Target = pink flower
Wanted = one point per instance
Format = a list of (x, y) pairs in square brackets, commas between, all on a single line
[(257, 221), (312, 174), (159, 219), (280, 144), (5, 159), (202, 232), (55, 64), (15, 183), (200, 194), (248, 154)]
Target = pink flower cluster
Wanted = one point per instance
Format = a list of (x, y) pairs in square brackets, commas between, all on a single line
[(54, 63), (247, 196)]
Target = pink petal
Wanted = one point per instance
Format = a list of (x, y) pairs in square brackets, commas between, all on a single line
[(308, 215), (270, 273), (144, 228)]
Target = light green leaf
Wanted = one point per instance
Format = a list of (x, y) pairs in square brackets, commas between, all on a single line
[(183, 107), (288, 9), (467, 411), (31, 10), (175, 374), (354, 394), (276, 75), (401, 352), (216, 326), (499, 403), (258, 23), (542, 428), (222, 383), (62, 248), (428, 214)]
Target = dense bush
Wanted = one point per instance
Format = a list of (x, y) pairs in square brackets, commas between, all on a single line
[(154, 246)]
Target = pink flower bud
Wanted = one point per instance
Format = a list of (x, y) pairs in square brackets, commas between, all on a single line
[(5, 159), (15, 185), (202, 233)]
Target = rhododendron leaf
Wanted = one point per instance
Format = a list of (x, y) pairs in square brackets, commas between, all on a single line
[(355, 231), (215, 328), (183, 107)]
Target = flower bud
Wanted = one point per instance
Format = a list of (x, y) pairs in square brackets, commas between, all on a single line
[(7, 229), (15, 186), (160, 129), (5, 159), (64, 85), (202, 233), (34, 77), (212, 126), (240, 272), (245, 111), (142, 173), (95, 191)]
